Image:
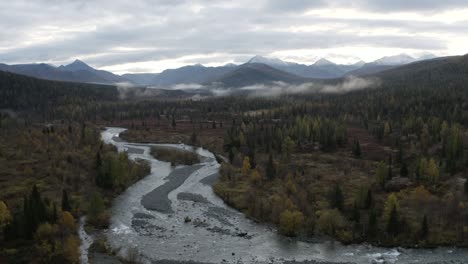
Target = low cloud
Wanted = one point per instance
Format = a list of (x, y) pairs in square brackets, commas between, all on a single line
[(352, 84), (277, 89), (280, 88), (190, 86)]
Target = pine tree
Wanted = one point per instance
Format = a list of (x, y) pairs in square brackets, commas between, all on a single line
[(98, 160), (382, 174), (424, 228), (337, 199), (193, 138), (390, 170), (372, 229), (356, 215), (404, 170), (54, 216), (65, 202), (369, 200), (270, 168), (400, 153), (357, 149)]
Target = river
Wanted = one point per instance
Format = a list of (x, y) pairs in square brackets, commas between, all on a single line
[(173, 214)]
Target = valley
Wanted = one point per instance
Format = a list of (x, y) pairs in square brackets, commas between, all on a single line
[(352, 170)]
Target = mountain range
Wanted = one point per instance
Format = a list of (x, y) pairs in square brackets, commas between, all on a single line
[(257, 70), (441, 73)]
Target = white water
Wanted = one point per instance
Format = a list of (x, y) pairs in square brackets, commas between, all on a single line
[(86, 241), (167, 236)]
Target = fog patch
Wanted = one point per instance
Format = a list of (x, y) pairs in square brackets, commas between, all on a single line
[(280, 88), (352, 84), (187, 86), (129, 92), (274, 89)]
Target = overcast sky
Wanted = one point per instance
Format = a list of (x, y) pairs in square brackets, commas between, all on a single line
[(152, 35)]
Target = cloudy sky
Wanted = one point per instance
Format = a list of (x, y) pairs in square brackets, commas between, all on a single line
[(152, 35)]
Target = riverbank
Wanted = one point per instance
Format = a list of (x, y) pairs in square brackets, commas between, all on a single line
[(201, 228)]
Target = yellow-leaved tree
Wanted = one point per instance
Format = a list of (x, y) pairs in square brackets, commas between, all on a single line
[(290, 222), (5, 215), (246, 166)]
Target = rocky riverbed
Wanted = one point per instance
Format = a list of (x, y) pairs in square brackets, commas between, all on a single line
[(173, 216)]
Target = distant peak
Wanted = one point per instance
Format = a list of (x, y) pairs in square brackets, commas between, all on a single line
[(399, 59), (426, 56), (359, 63), (267, 61), (78, 62), (77, 65), (323, 62)]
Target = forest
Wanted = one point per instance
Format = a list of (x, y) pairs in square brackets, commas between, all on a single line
[(385, 166), (53, 171)]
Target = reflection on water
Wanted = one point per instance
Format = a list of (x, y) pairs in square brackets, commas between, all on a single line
[(210, 231)]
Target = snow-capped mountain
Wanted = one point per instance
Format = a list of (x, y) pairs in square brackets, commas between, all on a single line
[(359, 63), (269, 61), (395, 60), (323, 62), (426, 56)]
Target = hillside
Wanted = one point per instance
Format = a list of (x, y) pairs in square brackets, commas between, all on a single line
[(256, 73), (18, 92), (77, 71), (431, 72)]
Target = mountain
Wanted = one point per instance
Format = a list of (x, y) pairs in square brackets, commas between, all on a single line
[(257, 73), (395, 60), (269, 61), (387, 63), (108, 77), (427, 56), (323, 62), (322, 69), (77, 65), (77, 71), (359, 64), (189, 74), (369, 69), (440, 71)]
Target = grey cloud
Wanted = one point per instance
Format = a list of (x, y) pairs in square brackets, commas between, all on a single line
[(373, 5), (58, 31)]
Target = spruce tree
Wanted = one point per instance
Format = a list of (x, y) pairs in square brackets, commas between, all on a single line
[(404, 170), (372, 229), (337, 199), (65, 202), (270, 168), (356, 215), (357, 149), (424, 228), (369, 200)]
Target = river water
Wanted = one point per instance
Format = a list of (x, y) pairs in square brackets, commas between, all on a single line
[(173, 214)]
